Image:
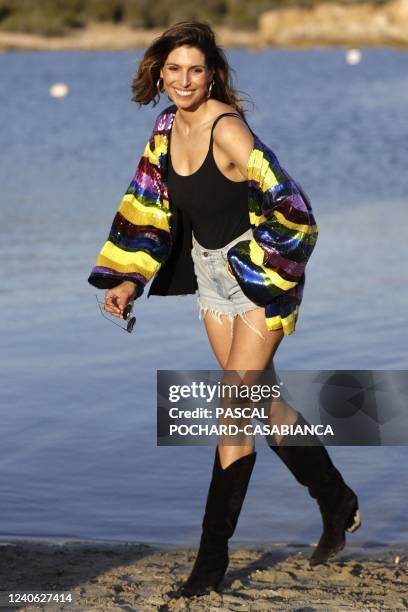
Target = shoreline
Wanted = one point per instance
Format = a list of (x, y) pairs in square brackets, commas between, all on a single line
[(103, 37), (117, 576), (108, 37)]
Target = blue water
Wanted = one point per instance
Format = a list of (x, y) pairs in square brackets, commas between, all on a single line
[(78, 397)]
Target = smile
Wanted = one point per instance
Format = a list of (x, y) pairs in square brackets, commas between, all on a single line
[(180, 92)]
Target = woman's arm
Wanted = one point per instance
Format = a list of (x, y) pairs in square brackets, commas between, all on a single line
[(139, 239), (272, 263), (236, 141)]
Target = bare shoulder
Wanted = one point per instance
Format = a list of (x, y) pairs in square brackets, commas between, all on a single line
[(231, 131), (235, 140)]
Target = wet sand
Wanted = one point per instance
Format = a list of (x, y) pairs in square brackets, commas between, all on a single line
[(107, 577)]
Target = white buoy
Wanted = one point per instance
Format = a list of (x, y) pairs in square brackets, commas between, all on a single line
[(353, 56), (59, 90)]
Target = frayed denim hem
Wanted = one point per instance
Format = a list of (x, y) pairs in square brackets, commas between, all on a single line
[(217, 314)]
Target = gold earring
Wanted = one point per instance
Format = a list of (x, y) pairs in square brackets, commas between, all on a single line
[(209, 89), (159, 86)]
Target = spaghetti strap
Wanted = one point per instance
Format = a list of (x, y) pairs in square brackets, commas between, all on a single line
[(218, 118)]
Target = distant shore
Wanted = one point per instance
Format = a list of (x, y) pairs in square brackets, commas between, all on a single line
[(295, 33), (103, 576), (98, 37)]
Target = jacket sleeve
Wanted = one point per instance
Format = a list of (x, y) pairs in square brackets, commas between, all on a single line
[(139, 239), (272, 264)]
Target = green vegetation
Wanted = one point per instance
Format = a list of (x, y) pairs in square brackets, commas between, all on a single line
[(48, 17), (58, 17)]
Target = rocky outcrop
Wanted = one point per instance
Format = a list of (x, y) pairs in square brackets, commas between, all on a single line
[(330, 24)]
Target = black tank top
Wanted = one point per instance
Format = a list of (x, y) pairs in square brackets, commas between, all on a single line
[(217, 207)]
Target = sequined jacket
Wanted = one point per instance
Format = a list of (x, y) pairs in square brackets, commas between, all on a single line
[(150, 237)]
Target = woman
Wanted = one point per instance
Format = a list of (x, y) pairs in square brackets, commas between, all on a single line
[(211, 208)]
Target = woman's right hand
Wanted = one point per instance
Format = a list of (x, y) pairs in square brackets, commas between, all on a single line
[(117, 298)]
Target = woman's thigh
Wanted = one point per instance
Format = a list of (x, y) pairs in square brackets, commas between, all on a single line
[(243, 349), (250, 350), (219, 334)]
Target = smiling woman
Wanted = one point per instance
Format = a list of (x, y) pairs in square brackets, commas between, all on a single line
[(185, 77), (207, 67), (211, 208)]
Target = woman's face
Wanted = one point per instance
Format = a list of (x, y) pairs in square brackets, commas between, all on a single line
[(186, 77)]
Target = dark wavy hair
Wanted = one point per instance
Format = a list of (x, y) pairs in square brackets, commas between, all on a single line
[(198, 34)]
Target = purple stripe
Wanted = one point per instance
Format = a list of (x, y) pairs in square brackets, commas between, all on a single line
[(296, 199), (299, 203), (144, 182), (253, 183), (111, 272), (164, 123), (294, 268)]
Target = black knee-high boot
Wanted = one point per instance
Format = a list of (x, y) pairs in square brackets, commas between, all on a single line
[(312, 467), (224, 502)]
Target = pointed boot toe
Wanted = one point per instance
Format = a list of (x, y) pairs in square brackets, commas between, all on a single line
[(345, 517), (312, 467), (207, 574)]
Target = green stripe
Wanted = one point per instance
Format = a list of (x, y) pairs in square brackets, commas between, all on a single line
[(145, 200), (287, 232)]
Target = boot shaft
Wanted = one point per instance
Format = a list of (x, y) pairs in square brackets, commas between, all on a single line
[(226, 496), (311, 465)]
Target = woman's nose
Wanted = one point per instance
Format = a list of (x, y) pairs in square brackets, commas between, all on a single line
[(185, 79)]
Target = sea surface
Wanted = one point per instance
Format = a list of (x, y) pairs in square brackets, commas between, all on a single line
[(78, 449)]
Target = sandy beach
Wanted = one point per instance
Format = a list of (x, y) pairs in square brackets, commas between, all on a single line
[(97, 37), (128, 577)]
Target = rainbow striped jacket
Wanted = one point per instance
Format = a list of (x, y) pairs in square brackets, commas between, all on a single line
[(270, 268)]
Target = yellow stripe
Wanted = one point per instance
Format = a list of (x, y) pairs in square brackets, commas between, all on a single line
[(277, 280), (252, 166), (160, 144), (259, 169), (273, 322), (166, 206), (255, 219), (150, 155), (256, 166), (256, 255), (300, 227), (269, 180), (287, 323), (122, 261), (139, 214)]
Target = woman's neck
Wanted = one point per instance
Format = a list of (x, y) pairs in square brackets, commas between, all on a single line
[(188, 120)]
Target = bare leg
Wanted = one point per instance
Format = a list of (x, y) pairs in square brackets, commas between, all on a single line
[(246, 350), (239, 350), (242, 350), (220, 337)]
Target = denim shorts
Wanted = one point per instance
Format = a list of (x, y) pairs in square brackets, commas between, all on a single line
[(219, 291)]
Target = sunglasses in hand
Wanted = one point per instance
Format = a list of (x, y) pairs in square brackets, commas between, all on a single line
[(127, 311)]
